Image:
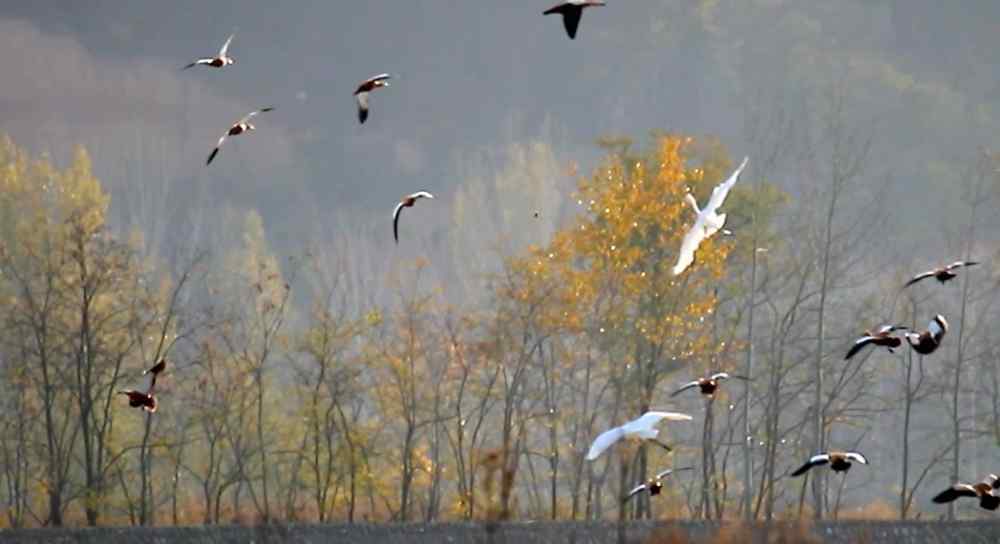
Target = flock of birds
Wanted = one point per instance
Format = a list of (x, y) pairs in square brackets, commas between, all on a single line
[(706, 224)]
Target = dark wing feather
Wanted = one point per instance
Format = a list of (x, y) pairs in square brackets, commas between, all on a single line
[(919, 277), (954, 492), (808, 465), (211, 157), (859, 344), (571, 20), (395, 221)]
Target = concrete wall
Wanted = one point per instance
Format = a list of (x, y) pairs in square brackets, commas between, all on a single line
[(526, 533)]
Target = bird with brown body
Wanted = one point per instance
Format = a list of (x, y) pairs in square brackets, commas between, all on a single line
[(840, 461), (571, 12), (146, 400), (654, 485), (942, 274), (407, 202), (221, 60), (241, 126), (882, 337), (708, 385), (366, 87), (985, 491), (927, 342)]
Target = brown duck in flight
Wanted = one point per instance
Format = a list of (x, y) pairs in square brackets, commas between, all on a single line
[(221, 60), (654, 485), (366, 87), (146, 400), (407, 202), (882, 337), (708, 385), (984, 491), (942, 274), (840, 461), (927, 342), (241, 126)]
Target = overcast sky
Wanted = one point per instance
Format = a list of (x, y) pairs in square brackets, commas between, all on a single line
[(469, 75)]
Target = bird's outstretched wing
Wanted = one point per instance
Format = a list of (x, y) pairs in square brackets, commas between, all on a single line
[(814, 461), (570, 16), (938, 326), (669, 471), (255, 113), (920, 276), (721, 191), (650, 419), (395, 221), (886, 329), (225, 47), (218, 146), (856, 457), (197, 62), (954, 492), (692, 239), (362, 99), (993, 480), (635, 491), (684, 387), (603, 442), (859, 344), (960, 264)]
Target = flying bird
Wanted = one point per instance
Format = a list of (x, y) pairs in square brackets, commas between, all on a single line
[(155, 371), (927, 342), (407, 202), (643, 428), (839, 461), (571, 12), (221, 60), (138, 399), (707, 222), (983, 490), (707, 385), (241, 126), (653, 485), (367, 86), (882, 337), (942, 273)]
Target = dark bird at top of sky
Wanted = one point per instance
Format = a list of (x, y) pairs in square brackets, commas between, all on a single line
[(221, 60), (927, 341), (241, 126), (407, 202), (882, 337), (707, 222), (983, 490), (707, 385), (654, 485), (840, 461), (571, 12), (367, 86), (942, 273), (642, 428)]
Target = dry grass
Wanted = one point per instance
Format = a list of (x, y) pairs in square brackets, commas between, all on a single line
[(737, 533)]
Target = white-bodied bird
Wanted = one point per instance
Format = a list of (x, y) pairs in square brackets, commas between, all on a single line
[(219, 61), (643, 428), (241, 126), (707, 222), (407, 202)]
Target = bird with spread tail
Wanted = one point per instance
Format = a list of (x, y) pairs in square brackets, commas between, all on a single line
[(240, 127), (927, 342), (708, 385), (364, 89), (840, 461), (407, 202), (571, 12), (707, 221), (654, 485), (942, 274), (221, 60), (643, 428), (985, 491), (882, 337)]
